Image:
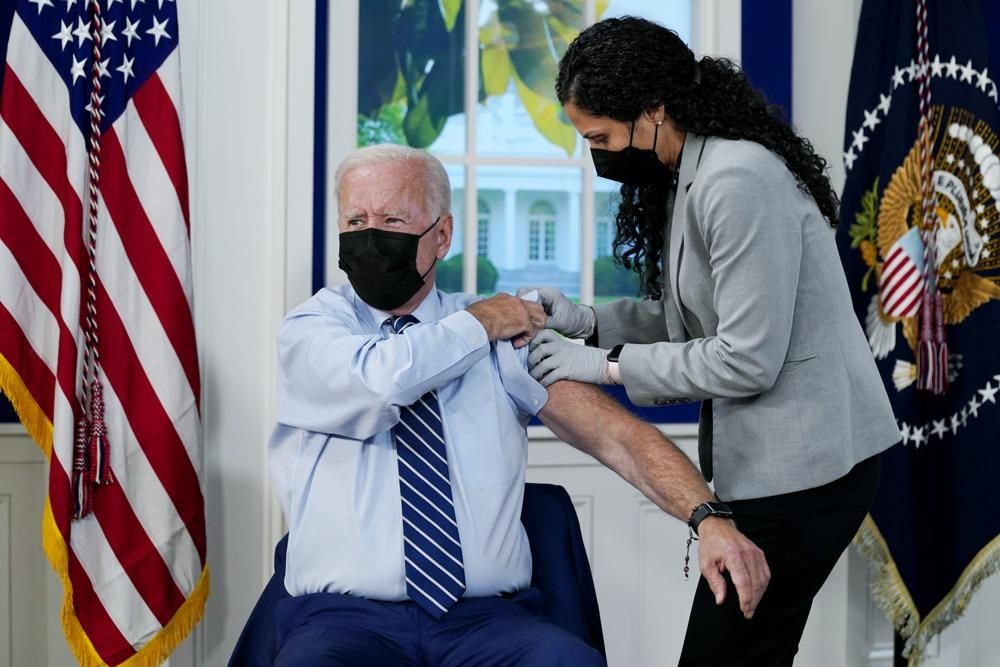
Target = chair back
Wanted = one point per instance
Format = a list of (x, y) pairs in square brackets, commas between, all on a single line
[(560, 570)]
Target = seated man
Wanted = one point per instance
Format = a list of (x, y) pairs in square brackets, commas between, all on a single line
[(400, 451)]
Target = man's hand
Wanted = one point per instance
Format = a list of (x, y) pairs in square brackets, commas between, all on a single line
[(505, 316), (570, 319), (554, 358), (723, 548)]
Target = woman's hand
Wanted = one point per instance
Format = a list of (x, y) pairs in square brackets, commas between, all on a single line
[(554, 358), (570, 319)]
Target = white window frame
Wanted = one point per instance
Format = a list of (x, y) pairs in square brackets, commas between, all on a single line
[(603, 249), (483, 212), (715, 30)]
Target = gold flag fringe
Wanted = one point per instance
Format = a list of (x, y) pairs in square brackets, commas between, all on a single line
[(163, 643), (35, 422), (892, 596)]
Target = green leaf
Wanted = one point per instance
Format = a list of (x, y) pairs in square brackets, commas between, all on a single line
[(865, 219), (566, 33), (449, 11), (546, 115), (439, 96), (420, 38), (536, 46), (496, 70), (420, 127), (494, 62), (377, 69), (864, 280), (443, 87), (567, 12), (386, 128), (399, 92)]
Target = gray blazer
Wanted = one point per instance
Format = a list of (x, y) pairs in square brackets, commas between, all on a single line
[(756, 321)]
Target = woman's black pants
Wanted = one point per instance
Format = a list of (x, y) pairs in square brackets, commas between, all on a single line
[(802, 535)]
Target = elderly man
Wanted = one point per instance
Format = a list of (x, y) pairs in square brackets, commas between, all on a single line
[(400, 451)]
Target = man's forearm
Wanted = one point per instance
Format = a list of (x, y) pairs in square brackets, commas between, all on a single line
[(585, 417), (588, 419)]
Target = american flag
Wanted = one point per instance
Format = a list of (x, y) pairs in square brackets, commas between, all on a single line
[(901, 288), (133, 564)]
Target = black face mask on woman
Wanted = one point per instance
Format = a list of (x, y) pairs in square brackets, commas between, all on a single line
[(631, 165), (382, 265)]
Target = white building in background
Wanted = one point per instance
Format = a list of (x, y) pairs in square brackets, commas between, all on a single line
[(528, 217)]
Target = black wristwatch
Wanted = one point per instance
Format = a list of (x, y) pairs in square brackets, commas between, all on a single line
[(707, 509), (614, 353)]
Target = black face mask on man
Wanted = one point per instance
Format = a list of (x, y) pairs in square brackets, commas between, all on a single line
[(382, 265), (631, 165)]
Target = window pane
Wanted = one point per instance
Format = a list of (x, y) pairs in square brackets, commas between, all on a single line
[(411, 74), (533, 226), (674, 14), (449, 271), (533, 240), (611, 281), (519, 47)]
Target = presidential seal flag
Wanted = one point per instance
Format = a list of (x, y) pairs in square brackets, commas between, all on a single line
[(97, 347), (920, 242)]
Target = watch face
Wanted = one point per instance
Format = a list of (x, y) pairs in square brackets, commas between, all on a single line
[(708, 509), (720, 509)]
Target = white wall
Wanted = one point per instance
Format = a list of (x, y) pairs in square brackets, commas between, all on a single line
[(247, 68), (823, 36)]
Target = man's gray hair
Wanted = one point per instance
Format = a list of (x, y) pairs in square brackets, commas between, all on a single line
[(438, 188)]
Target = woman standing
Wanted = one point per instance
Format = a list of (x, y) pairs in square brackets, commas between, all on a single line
[(727, 216)]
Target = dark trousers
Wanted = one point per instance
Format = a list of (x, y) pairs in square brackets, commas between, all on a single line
[(328, 629), (802, 535)]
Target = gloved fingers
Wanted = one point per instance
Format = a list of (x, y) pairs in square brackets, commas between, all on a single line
[(548, 371), (551, 299), (553, 376), (542, 337)]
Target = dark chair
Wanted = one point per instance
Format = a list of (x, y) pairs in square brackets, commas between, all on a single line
[(560, 570)]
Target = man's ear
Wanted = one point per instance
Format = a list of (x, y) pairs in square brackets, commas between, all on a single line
[(443, 233)]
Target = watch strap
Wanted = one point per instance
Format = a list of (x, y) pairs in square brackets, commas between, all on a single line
[(707, 509)]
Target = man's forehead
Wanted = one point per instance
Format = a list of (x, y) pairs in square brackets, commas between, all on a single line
[(381, 211), (385, 188)]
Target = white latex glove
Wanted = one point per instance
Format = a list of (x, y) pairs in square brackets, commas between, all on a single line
[(568, 318)]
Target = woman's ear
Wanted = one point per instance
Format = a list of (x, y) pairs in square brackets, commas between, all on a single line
[(655, 114)]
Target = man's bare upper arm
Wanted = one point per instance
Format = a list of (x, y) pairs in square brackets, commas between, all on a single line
[(590, 420)]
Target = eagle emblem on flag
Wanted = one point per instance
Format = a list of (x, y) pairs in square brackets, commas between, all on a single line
[(967, 209)]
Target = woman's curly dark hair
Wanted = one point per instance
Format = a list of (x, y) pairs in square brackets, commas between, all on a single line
[(620, 67)]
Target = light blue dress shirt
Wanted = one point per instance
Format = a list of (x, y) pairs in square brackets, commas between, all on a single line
[(344, 376)]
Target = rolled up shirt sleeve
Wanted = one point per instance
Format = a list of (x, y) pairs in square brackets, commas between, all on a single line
[(528, 395)]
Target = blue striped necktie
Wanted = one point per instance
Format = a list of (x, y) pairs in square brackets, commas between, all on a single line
[(432, 549)]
